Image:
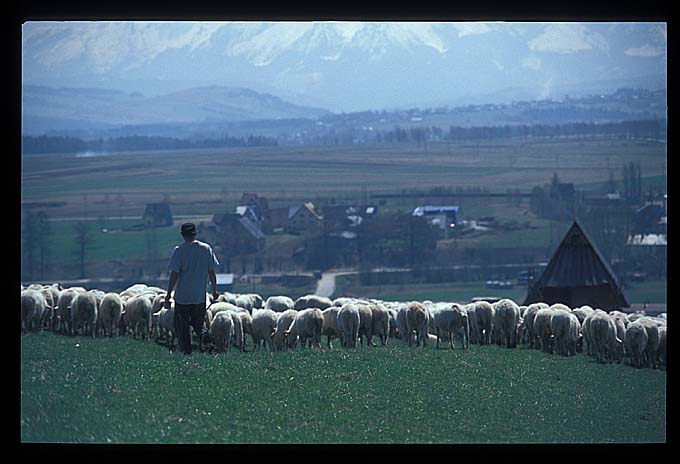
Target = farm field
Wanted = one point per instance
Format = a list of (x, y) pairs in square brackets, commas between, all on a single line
[(83, 390), (197, 181)]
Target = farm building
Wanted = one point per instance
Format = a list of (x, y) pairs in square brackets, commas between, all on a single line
[(233, 234), (445, 218), (158, 214), (304, 218), (577, 275)]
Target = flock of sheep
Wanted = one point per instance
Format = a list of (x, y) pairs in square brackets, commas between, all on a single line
[(281, 323)]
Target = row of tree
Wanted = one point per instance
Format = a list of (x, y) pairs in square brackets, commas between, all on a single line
[(64, 144)]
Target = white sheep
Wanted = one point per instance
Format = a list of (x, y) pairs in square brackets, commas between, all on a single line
[(32, 307), (165, 318), (348, 325), (263, 326), (238, 339), (109, 314), (83, 312), (652, 330), (330, 324), (307, 325), (138, 315), (365, 324), (636, 342), (285, 319), (542, 330), (602, 331), (484, 314), (221, 331), (452, 321), (380, 322), (564, 328), (227, 298), (529, 315), (417, 321), (279, 303), (312, 301), (660, 355), (506, 321)]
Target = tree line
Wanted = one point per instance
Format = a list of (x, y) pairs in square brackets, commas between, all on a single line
[(65, 144)]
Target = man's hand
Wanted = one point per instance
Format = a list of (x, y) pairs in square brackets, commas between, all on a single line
[(215, 295), (167, 303)]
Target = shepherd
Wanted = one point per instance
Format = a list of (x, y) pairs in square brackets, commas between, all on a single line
[(190, 264)]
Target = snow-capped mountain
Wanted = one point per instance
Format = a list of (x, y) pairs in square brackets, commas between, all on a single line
[(344, 66)]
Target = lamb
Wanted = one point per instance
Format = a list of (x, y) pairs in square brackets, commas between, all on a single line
[(453, 320), (263, 325), (109, 313), (606, 345), (392, 316), (307, 325), (401, 323), (227, 298), (279, 304), (247, 324), (348, 325), (381, 323), (245, 302), (221, 331), (83, 312), (417, 321), (283, 323), (330, 324), (365, 324), (484, 314), (138, 315), (312, 301), (636, 342), (32, 307), (506, 319)]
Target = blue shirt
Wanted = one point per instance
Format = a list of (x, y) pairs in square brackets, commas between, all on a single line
[(192, 260)]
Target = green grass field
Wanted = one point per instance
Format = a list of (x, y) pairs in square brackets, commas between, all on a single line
[(80, 390)]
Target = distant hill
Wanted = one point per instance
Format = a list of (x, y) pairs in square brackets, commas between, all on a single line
[(48, 109)]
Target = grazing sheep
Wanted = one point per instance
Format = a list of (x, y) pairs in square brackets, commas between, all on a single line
[(138, 315), (32, 308), (348, 325), (279, 304), (484, 314), (660, 355), (227, 298), (220, 306), (63, 309), (380, 323), (365, 324), (285, 319), (417, 320), (330, 324), (165, 318), (392, 316), (652, 330), (307, 325), (109, 313), (401, 323), (221, 331), (529, 315), (83, 312), (312, 301), (263, 325), (47, 316), (636, 343), (606, 345), (247, 324), (453, 321), (237, 337), (506, 320), (245, 302), (564, 329), (470, 309), (542, 328)]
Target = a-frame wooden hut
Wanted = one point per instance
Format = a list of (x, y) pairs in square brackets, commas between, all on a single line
[(578, 275)]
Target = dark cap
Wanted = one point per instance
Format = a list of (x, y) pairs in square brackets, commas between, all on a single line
[(188, 228)]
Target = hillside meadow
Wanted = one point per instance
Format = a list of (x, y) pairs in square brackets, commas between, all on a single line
[(119, 390)]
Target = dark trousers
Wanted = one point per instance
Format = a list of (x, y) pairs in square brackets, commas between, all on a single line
[(186, 316)]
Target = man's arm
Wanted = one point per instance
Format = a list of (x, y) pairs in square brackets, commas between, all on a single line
[(213, 283), (171, 285)]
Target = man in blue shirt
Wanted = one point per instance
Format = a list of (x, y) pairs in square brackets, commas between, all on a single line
[(191, 264)]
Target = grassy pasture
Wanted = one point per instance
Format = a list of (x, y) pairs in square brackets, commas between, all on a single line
[(80, 390)]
